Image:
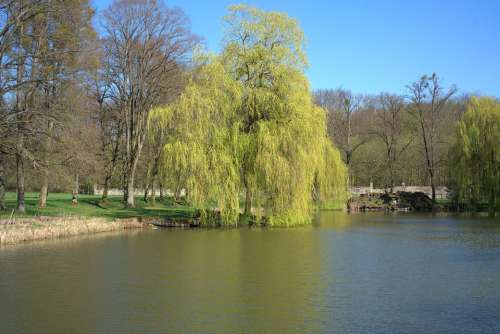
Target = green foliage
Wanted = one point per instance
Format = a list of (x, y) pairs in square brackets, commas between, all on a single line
[(202, 151), (475, 164), (246, 123)]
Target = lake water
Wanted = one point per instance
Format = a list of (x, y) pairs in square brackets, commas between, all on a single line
[(370, 273)]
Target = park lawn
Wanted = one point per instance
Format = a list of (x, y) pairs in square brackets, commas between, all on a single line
[(59, 204)]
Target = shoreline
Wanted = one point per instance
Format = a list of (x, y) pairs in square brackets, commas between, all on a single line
[(23, 230)]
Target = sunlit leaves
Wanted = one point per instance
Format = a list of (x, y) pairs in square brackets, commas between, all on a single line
[(476, 154), (246, 124)]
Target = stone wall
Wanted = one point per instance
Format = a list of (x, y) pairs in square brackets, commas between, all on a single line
[(137, 192), (441, 192)]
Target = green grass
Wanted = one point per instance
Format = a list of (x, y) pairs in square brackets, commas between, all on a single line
[(59, 204)]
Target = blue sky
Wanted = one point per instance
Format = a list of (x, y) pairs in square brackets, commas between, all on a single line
[(381, 45)]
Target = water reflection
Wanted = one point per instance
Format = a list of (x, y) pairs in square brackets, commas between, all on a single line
[(346, 273)]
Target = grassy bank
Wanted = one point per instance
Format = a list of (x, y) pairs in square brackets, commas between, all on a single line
[(59, 205), (60, 218)]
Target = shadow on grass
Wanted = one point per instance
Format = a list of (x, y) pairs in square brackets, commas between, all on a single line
[(93, 206)]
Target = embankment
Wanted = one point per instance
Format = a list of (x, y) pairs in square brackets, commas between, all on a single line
[(40, 228)]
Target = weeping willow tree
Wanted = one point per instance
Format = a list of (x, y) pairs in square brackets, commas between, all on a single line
[(476, 155), (246, 126), (202, 154)]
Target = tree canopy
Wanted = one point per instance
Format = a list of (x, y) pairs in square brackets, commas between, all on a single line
[(246, 124), (129, 104), (476, 155)]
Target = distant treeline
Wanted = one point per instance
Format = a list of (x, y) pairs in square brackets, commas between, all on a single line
[(381, 136), (76, 104), (428, 136)]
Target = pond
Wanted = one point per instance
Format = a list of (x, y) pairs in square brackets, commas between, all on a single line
[(362, 273)]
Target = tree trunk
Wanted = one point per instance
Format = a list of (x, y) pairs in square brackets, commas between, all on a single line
[(146, 193), (146, 184), (153, 192), (154, 176), (124, 182), (130, 192), (44, 189), (20, 183), (105, 188), (125, 191), (430, 163), (130, 181), (162, 195), (20, 167), (129, 200), (20, 124), (3, 183), (74, 193), (148, 177), (391, 177), (42, 202)]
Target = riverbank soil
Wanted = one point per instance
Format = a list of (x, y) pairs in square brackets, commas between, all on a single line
[(13, 231)]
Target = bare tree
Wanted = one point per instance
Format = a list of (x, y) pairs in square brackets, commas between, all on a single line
[(67, 44), (110, 127), (3, 182), (5, 149), (26, 54), (144, 44), (14, 16), (38, 49), (390, 129), (342, 107), (427, 101)]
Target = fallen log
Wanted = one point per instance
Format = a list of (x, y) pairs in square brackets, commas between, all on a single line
[(175, 222)]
